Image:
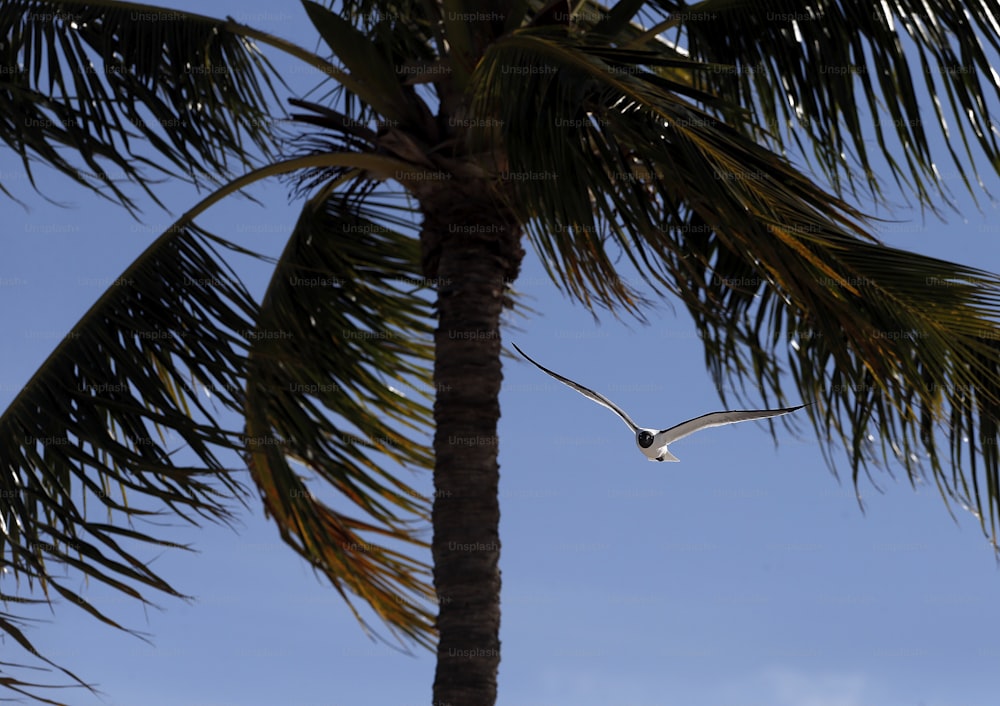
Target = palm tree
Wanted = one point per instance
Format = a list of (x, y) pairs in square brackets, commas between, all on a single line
[(646, 133)]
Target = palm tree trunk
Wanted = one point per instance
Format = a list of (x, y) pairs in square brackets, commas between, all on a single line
[(471, 249)]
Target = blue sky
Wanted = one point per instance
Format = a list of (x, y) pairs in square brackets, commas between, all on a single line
[(746, 574)]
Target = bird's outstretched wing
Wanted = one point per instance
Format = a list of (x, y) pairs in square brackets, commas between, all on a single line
[(586, 392), (718, 419)]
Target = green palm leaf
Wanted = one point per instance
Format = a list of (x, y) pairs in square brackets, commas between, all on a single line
[(368, 66), (11, 625), (803, 67), (758, 253), (94, 425), (88, 429), (350, 333), (190, 86)]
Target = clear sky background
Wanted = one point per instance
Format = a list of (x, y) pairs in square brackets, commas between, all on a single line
[(744, 575)]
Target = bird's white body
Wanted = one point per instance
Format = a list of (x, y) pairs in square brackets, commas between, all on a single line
[(653, 443), (656, 453)]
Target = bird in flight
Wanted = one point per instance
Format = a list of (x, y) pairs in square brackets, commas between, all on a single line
[(653, 443)]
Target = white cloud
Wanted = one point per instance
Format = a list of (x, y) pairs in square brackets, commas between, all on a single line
[(796, 688)]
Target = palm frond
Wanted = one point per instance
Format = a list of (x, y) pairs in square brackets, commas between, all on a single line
[(11, 625), (382, 90), (911, 370), (805, 67), (890, 343), (597, 140), (99, 76), (155, 356), (90, 427), (376, 77), (342, 332)]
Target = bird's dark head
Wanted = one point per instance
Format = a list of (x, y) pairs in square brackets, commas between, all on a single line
[(644, 438)]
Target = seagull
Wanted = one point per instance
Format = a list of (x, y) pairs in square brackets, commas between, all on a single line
[(653, 443)]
